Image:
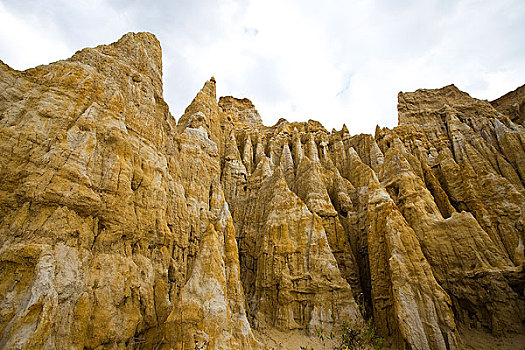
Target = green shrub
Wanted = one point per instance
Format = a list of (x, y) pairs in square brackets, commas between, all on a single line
[(359, 336)]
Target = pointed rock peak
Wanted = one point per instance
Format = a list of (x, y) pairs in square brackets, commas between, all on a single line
[(139, 51), (396, 143), (242, 110), (451, 87), (395, 163), (247, 154), (334, 137), (272, 148), (345, 134), (256, 138), (338, 145), (298, 152), (377, 131), (203, 106), (286, 165), (210, 89), (286, 158), (296, 136), (283, 126), (231, 151), (432, 100), (278, 177), (259, 152), (248, 143), (314, 125), (286, 149), (360, 174), (280, 122), (353, 155), (263, 168), (512, 104), (5, 67), (312, 149), (376, 156), (216, 196), (145, 39), (231, 136), (324, 154)]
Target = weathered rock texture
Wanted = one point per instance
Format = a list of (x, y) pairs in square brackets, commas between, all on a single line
[(121, 228), (513, 105)]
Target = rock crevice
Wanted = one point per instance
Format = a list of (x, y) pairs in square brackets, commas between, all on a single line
[(123, 228)]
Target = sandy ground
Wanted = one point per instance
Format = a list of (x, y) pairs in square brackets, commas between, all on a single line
[(292, 340), (476, 340), (472, 340)]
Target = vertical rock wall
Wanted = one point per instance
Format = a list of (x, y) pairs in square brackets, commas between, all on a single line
[(121, 228)]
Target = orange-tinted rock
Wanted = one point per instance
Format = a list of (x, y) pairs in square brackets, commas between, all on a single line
[(122, 228)]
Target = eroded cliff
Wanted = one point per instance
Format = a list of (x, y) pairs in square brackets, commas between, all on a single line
[(122, 228)]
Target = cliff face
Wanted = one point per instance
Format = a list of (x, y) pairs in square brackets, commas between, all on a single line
[(121, 228), (513, 105)]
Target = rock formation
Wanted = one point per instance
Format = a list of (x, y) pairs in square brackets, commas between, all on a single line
[(513, 105), (122, 228)]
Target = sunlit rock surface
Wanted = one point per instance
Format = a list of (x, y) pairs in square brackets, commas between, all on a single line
[(123, 228)]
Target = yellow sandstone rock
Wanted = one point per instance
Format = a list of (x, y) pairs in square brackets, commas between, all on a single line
[(122, 228)]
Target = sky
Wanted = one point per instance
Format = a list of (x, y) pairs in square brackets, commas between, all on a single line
[(332, 61)]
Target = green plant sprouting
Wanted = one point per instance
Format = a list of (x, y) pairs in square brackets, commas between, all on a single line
[(356, 335)]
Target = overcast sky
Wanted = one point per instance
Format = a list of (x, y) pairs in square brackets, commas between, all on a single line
[(333, 61)]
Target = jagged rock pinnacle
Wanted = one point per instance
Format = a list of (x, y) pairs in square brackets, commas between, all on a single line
[(121, 228)]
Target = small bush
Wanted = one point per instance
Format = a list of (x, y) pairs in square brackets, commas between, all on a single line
[(359, 336)]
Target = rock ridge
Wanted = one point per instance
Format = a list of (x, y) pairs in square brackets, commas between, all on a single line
[(124, 228)]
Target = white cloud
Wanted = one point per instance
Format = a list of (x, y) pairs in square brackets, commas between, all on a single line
[(334, 61), (24, 45)]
